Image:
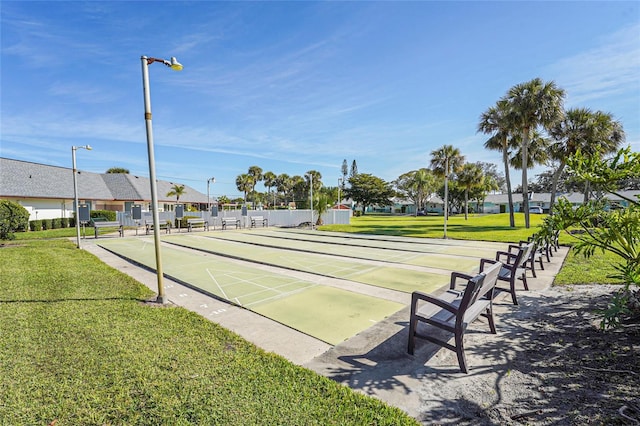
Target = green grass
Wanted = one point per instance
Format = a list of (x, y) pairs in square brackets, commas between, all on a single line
[(78, 344), (492, 227)]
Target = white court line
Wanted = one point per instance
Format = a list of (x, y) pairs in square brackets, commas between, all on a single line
[(280, 295), (216, 281)]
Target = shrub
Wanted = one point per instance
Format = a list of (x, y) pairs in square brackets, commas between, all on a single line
[(106, 214), (13, 218), (46, 224), (35, 225), (55, 223), (64, 222)]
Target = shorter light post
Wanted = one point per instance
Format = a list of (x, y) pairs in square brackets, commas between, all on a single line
[(75, 188), (210, 180), (339, 186)]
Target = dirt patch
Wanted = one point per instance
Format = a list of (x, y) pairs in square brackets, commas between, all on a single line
[(551, 364)]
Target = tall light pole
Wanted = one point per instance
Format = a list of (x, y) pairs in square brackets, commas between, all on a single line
[(175, 65), (339, 185), (210, 180), (446, 195), (75, 188)]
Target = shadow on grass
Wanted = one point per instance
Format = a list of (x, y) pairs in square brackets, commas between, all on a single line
[(77, 299)]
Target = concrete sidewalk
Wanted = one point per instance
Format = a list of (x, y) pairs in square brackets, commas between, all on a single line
[(375, 361)]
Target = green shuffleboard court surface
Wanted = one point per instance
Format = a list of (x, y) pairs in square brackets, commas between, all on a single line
[(326, 313), (377, 251), (391, 277)]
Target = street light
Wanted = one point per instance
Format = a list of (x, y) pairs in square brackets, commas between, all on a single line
[(175, 65), (212, 180), (75, 188), (339, 185)]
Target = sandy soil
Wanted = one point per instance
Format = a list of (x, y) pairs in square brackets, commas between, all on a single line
[(550, 365)]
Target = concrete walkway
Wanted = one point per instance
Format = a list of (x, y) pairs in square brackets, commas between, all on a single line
[(374, 362)]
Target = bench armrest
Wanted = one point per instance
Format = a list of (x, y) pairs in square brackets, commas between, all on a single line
[(455, 276), (509, 256), (418, 295)]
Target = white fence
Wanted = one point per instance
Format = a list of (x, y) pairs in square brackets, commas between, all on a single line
[(284, 218)]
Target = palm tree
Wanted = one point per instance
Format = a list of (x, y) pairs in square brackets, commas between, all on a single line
[(470, 176), (270, 180), (583, 130), (177, 191), (444, 161), (244, 183), (256, 174), (283, 185), (531, 105), (496, 121)]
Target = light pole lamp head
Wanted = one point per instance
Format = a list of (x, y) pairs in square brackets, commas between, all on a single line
[(175, 65)]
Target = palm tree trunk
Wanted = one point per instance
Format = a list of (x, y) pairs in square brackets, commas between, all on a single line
[(525, 186), (507, 177), (466, 204)]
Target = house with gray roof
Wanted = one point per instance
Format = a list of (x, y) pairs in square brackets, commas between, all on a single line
[(47, 191)]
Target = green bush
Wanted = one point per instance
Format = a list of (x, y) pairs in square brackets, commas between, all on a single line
[(55, 223), (35, 225), (109, 215), (13, 218), (64, 222), (46, 224)]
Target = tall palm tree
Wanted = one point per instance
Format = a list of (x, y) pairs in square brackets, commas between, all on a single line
[(444, 161), (532, 105), (470, 176), (283, 185), (177, 191), (244, 183), (256, 175), (583, 130), (496, 121), (270, 179)]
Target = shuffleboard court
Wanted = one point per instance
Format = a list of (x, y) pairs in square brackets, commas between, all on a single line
[(326, 313), (391, 277), (432, 260)]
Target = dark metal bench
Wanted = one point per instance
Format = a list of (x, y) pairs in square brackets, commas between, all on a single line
[(513, 268), (107, 224), (453, 311)]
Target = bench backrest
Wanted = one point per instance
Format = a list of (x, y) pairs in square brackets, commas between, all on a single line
[(257, 217), (524, 253), (490, 279)]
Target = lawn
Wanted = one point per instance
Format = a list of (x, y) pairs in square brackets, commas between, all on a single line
[(78, 344)]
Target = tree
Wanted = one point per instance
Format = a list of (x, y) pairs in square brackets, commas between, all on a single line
[(369, 190), (354, 169), (345, 172), (256, 176), (270, 180), (470, 176), (299, 190), (177, 191), (583, 130), (497, 121), (417, 186), (283, 185), (444, 161), (245, 184), (118, 170), (532, 105), (13, 218)]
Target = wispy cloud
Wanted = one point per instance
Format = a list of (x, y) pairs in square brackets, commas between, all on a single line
[(604, 71)]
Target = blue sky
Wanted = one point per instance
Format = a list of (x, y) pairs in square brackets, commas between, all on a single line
[(296, 86)]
